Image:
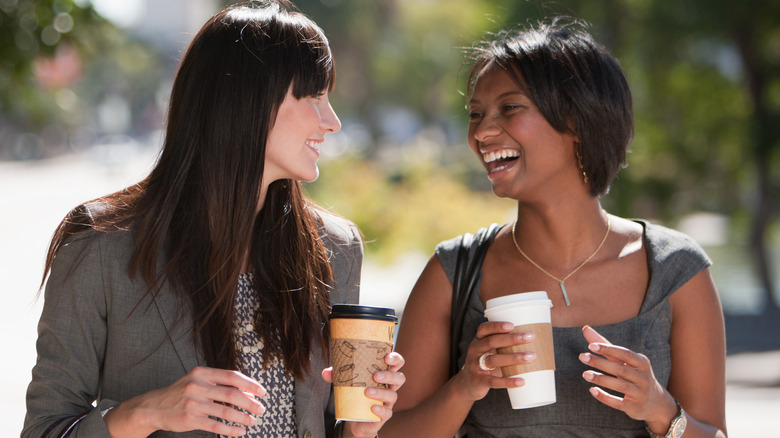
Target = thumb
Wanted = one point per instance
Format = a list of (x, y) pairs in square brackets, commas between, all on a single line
[(594, 337), (327, 374)]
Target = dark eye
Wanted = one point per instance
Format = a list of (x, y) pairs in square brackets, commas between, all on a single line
[(473, 115)]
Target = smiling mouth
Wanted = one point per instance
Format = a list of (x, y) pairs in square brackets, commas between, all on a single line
[(500, 160), (502, 155), (314, 144)]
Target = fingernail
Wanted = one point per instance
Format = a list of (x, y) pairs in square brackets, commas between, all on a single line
[(588, 375), (518, 381), (585, 357), (379, 375), (508, 326), (371, 391), (529, 356), (594, 392), (594, 347), (528, 336)]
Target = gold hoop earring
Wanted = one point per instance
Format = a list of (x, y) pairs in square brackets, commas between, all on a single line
[(582, 168)]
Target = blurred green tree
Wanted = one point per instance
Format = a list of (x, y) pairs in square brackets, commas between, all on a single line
[(58, 60), (32, 35), (704, 75)]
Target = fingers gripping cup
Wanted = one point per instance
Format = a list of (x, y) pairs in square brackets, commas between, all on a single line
[(360, 338), (530, 312)]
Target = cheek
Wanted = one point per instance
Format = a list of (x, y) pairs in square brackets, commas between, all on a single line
[(471, 141)]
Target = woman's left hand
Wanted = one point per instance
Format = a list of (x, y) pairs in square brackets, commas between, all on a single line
[(629, 373), (393, 379)]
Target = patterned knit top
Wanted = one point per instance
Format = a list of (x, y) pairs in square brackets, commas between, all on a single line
[(279, 417)]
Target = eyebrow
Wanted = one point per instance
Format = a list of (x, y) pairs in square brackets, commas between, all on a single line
[(503, 95)]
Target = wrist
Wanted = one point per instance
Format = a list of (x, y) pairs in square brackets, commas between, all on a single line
[(673, 428), (663, 417), (460, 389), (126, 421)]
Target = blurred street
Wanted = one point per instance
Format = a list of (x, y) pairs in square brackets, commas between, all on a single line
[(36, 195)]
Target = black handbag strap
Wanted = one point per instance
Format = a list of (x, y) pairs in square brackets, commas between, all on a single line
[(471, 253)]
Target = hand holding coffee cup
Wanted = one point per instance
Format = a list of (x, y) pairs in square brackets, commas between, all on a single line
[(529, 312), (360, 339)]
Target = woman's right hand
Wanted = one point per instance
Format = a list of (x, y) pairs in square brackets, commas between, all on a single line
[(196, 401), (491, 335)]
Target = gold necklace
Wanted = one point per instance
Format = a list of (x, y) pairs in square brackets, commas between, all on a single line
[(561, 281)]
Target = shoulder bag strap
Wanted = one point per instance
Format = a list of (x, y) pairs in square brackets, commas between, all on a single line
[(467, 266)]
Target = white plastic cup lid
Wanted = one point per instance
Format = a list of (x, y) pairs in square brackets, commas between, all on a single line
[(517, 298)]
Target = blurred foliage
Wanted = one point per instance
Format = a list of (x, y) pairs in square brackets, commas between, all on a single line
[(59, 61), (698, 144), (411, 209), (704, 73), (29, 31)]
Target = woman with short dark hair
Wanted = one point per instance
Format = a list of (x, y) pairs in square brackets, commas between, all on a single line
[(637, 325)]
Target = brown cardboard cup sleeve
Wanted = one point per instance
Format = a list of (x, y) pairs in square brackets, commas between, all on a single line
[(542, 345)]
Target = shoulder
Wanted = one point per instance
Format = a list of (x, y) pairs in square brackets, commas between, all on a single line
[(92, 251), (85, 226), (666, 244), (336, 228), (447, 251), (467, 240), (674, 258)]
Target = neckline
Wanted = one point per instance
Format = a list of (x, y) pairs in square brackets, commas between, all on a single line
[(643, 309)]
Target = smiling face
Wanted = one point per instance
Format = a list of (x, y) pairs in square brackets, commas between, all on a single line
[(521, 152), (293, 143)]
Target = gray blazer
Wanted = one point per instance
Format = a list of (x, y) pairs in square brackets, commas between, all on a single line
[(98, 345)]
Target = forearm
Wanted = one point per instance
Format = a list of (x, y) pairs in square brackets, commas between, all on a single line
[(694, 428), (441, 415), (699, 429)]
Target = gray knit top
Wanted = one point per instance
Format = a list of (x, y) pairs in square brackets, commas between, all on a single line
[(673, 259)]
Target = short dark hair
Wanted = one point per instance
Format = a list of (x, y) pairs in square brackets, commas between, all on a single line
[(576, 84)]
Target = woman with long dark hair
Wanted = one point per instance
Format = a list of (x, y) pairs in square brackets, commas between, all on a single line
[(177, 303)]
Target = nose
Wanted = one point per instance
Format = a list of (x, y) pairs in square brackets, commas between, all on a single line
[(485, 128), (329, 121)]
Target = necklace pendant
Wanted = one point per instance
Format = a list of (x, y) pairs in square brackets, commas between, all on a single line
[(565, 295)]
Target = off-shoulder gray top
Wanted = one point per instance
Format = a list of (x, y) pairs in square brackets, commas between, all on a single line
[(673, 259)]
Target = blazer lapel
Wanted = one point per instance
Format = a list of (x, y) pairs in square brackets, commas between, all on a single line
[(179, 328)]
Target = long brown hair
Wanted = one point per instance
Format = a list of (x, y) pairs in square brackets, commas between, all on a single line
[(196, 213)]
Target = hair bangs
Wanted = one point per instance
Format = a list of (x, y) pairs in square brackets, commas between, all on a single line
[(296, 45), (316, 69)]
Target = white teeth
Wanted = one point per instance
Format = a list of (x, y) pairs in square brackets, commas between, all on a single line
[(504, 153), (313, 145)]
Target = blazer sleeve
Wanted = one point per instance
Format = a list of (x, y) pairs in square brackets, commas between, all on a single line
[(71, 346), (314, 398), (354, 259), (347, 273), (345, 246)]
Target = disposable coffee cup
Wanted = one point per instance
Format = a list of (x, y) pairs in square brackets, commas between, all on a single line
[(529, 312), (360, 338)]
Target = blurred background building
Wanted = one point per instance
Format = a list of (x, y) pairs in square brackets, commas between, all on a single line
[(84, 89)]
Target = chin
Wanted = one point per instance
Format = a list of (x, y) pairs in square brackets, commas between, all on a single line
[(500, 192), (312, 178)]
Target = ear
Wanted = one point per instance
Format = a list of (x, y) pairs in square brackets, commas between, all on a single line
[(572, 130)]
